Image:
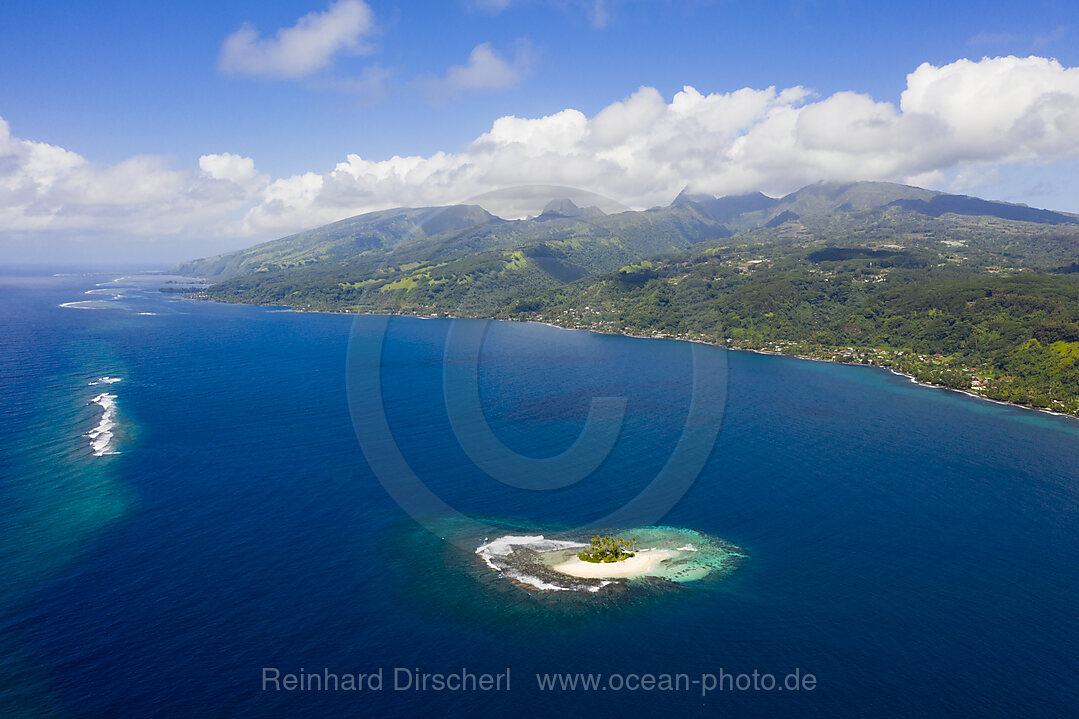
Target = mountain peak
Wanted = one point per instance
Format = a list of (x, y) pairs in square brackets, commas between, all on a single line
[(686, 197), (568, 208), (727, 207)]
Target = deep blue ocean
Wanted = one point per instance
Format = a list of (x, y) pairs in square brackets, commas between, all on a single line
[(915, 550)]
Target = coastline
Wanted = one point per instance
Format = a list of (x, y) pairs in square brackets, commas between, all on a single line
[(969, 393), (912, 379), (638, 565), (552, 563)]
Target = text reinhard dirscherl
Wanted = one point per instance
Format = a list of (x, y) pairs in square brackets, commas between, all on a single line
[(403, 679)]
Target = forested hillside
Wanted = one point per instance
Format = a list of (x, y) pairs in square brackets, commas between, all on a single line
[(954, 290)]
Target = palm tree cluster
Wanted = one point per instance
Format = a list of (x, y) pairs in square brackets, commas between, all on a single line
[(608, 549)]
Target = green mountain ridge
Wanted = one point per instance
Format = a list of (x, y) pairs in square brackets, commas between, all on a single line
[(379, 239), (462, 249), (833, 270)]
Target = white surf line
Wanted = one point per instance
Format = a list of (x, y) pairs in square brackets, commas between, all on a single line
[(101, 436), (86, 305)]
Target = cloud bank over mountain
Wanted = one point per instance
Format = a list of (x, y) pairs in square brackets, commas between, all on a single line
[(958, 123)]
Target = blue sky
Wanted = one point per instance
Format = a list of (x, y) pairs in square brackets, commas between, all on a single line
[(139, 92)]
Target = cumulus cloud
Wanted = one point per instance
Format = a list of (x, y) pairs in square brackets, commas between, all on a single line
[(300, 50), (486, 70), (954, 126), (44, 188), (231, 168), (643, 149)]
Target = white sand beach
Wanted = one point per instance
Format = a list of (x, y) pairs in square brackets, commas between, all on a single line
[(641, 563)]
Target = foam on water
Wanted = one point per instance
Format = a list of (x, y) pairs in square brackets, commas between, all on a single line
[(101, 302), (101, 436), (495, 554), (537, 543), (504, 546), (88, 305), (691, 556), (535, 581)]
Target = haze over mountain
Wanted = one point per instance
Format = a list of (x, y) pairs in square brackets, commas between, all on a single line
[(566, 241), (583, 240), (827, 198), (568, 208)]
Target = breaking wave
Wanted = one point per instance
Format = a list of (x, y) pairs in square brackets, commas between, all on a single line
[(534, 560), (102, 435)]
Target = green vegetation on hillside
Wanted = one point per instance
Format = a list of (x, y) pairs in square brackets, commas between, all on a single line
[(1010, 337), (871, 273)]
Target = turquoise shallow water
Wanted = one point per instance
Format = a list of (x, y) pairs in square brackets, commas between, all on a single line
[(915, 549)]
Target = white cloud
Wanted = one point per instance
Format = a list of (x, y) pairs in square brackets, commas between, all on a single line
[(47, 188), (231, 168), (485, 71), (1006, 108), (954, 127), (300, 50)]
